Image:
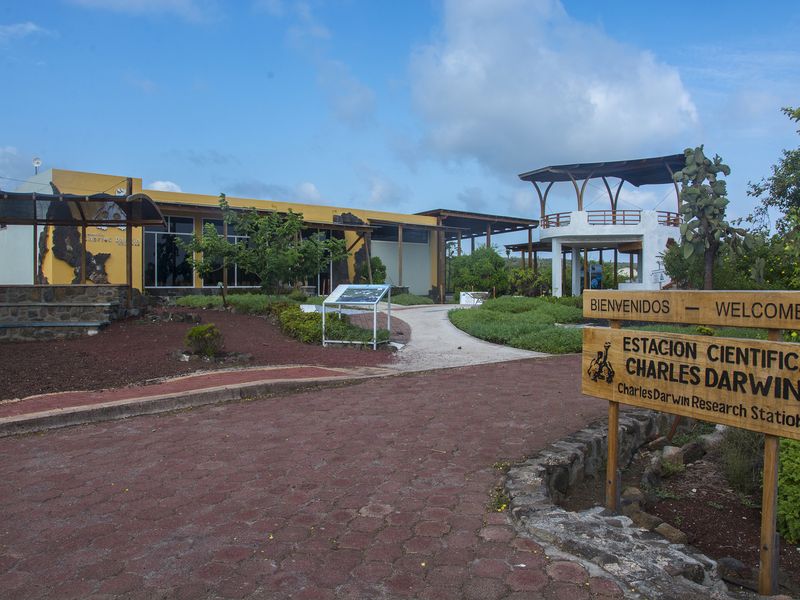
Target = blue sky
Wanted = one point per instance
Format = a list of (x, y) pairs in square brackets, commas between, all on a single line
[(400, 106)]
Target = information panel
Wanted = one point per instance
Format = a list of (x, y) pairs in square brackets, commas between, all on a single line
[(744, 383), (770, 310)]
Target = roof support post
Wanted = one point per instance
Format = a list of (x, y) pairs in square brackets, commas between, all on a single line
[(459, 242), (530, 247), (577, 191), (367, 242), (488, 235), (440, 274), (35, 244), (129, 245), (542, 199), (399, 256), (83, 253), (583, 189)]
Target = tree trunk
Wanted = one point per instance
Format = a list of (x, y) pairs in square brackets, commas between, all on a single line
[(708, 268)]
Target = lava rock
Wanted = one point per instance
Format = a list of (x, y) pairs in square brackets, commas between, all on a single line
[(658, 443), (645, 520), (672, 454), (674, 535), (692, 452)]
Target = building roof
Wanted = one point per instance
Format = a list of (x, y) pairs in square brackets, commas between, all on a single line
[(641, 171), (473, 224)]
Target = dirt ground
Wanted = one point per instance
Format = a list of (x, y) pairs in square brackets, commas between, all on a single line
[(138, 350), (699, 501)]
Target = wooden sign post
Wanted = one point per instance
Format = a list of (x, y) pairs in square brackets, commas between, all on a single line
[(751, 384)]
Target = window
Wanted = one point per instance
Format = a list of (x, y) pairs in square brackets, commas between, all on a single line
[(164, 261), (388, 233)]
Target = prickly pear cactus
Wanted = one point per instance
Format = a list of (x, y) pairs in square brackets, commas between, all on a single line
[(703, 205)]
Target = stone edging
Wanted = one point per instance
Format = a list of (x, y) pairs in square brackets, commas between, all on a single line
[(645, 563)]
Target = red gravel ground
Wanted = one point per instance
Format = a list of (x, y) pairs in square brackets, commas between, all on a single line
[(372, 491), (138, 350)]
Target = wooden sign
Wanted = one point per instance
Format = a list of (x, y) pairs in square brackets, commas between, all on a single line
[(776, 310), (743, 383)]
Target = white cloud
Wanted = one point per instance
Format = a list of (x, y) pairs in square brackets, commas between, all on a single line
[(515, 84), (352, 102), (165, 186), (381, 191), (189, 10), (13, 168), (308, 192), (17, 31), (473, 199)]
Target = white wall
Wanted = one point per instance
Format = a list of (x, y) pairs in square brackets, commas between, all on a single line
[(416, 265), (16, 255)]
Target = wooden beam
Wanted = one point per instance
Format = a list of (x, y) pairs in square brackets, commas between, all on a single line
[(535, 261), (616, 268), (530, 247), (367, 240), (488, 235), (459, 242), (585, 268), (83, 253)]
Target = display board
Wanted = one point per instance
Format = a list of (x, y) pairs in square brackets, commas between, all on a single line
[(349, 293)]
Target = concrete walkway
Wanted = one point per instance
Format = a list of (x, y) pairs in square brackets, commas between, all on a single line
[(437, 343)]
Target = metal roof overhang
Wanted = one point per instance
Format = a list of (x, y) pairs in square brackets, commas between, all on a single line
[(642, 171), (472, 224), (31, 208)]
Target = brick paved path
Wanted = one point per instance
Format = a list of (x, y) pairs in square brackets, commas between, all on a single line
[(377, 490)]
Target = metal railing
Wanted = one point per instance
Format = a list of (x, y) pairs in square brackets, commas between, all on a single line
[(610, 217), (614, 217), (669, 218), (555, 220)]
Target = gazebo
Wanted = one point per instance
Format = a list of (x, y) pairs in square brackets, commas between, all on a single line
[(642, 234)]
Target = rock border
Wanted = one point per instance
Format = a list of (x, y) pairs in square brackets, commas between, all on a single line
[(646, 563)]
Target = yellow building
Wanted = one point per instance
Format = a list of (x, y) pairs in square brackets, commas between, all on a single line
[(412, 246)]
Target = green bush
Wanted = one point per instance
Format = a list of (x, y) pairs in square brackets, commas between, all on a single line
[(205, 340), (297, 296), (378, 271), (307, 327), (526, 282), (410, 299), (483, 270), (245, 304), (789, 491), (743, 459)]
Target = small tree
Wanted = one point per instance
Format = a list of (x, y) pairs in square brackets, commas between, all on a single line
[(703, 205), (275, 250), (484, 270)]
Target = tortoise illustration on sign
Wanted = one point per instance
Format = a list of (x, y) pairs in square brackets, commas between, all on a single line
[(599, 368)]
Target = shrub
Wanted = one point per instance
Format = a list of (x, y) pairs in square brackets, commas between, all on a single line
[(205, 340), (524, 282), (410, 299), (306, 327), (743, 459), (789, 491), (297, 295), (482, 270), (378, 271)]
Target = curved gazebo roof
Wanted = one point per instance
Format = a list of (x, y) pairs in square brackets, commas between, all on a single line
[(640, 171)]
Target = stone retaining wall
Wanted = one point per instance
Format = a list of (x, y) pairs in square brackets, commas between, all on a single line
[(650, 565)]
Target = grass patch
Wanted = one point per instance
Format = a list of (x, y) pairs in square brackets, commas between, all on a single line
[(410, 299), (526, 323), (731, 332), (245, 304)]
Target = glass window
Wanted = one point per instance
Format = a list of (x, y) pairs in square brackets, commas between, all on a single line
[(164, 261)]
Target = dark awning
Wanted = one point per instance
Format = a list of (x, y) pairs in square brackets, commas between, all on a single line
[(642, 171), (472, 224), (31, 208)]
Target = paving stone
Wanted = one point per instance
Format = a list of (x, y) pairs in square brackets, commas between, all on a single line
[(313, 495), (561, 570)]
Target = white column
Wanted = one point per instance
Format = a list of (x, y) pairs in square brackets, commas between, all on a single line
[(558, 276), (576, 271)]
